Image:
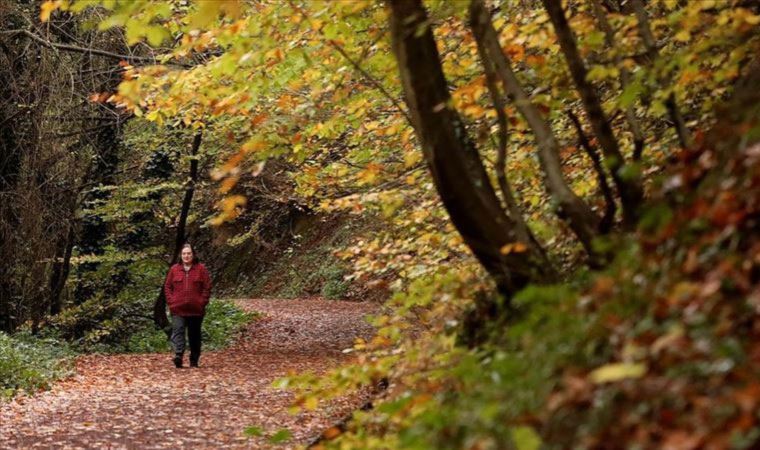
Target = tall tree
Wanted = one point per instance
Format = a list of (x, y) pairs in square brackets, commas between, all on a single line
[(159, 307), (581, 218), (629, 188), (453, 160)]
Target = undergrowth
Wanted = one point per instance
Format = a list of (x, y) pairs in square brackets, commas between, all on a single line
[(309, 267), (29, 363), (660, 350)]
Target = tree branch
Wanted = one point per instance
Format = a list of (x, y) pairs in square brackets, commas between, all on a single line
[(92, 51), (609, 198), (374, 82), (500, 166), (650, 44), (629, 188), (625, 76), (371, 79), (582, 220)]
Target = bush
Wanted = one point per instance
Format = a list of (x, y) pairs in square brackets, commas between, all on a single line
[(29, 363), (335, 286), (223, 321)]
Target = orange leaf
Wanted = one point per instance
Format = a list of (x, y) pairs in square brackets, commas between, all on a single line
[(47, 8), (331, 433)]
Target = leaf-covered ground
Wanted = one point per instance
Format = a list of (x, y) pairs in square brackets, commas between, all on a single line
[(142, 401)]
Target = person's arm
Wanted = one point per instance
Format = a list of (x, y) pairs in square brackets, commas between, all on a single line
[(169, 288), (206, 293)]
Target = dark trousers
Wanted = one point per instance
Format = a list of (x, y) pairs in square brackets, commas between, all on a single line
[(193, 327)]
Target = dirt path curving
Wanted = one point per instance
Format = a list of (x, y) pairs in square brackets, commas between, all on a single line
[(142, 401)]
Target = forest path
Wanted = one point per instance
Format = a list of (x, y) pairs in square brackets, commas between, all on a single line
[(142, 401)]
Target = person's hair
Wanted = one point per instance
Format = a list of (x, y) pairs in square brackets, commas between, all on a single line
[(195, 255)]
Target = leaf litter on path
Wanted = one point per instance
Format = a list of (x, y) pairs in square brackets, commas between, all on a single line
[(142, 401)]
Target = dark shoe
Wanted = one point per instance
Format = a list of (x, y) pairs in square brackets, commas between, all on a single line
[(193, 363), (178, 361)]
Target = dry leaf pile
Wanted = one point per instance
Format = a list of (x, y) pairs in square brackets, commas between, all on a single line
[(142, 401)]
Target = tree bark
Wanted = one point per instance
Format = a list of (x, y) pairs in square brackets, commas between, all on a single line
[(159, 306), (61, 267), (630, 191), (452, 158), (500, 167), (581, 218)]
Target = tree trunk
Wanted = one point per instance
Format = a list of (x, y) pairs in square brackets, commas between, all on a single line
[(500, 167), (452, 158), (645, 31), (625, 76), (630, 191), (581, 218), (61, 267), (604, 187), (159, 306)]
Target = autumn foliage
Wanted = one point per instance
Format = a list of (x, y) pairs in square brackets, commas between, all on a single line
[(560, 196)]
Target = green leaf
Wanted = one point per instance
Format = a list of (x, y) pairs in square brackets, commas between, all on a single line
[(156, 35), (630, 93), (630, 171), (280, 437), (253, 431), (525, 438)]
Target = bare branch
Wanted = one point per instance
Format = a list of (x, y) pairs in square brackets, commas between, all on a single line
[(609, 198), (371, 79), (91, 51)]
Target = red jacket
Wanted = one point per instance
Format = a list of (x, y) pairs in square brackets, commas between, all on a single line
[(187, 293)]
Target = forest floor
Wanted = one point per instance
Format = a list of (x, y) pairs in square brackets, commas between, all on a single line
[(143, 401)]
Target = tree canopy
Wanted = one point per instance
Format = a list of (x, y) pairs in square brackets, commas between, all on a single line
[(560, 198)]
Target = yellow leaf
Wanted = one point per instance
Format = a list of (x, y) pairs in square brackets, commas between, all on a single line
[(412, 158), (526, 438), (252, 145), (617, 371), (370, 174), (682, 36), (207, 13), (311, 403), (475, 111)]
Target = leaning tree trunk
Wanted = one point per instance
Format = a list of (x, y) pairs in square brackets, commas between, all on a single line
[(500, 167), (579, 215), (629, 189), (456, 168), (159, 306)]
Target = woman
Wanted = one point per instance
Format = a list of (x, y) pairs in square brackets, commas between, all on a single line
[(188, 289)]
